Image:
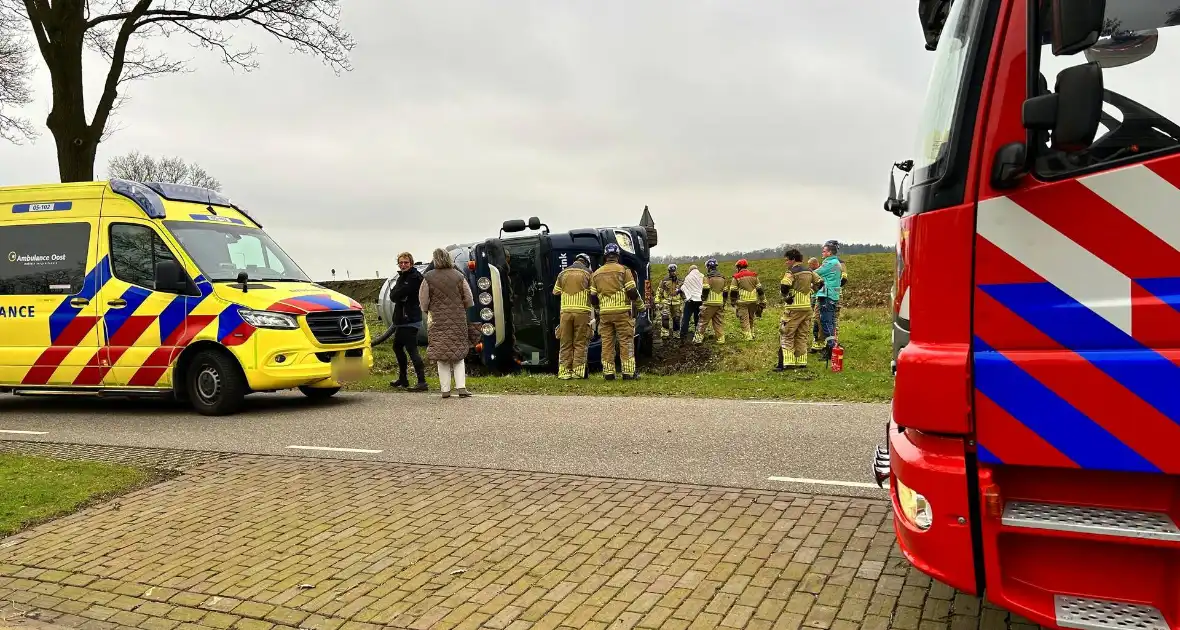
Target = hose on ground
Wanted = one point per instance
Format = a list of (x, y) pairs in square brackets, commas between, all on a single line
[(383, 337)]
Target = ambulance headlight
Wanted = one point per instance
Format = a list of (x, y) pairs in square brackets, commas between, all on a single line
[(488, 330), (914, 507), (486, 314), (268, 319), (485, 298), (484, 283)]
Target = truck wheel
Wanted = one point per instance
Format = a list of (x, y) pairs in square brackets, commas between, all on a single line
[(319, 393), (216, 386)]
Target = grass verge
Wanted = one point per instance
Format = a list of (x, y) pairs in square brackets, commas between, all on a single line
[(739, 369), (35, 489)]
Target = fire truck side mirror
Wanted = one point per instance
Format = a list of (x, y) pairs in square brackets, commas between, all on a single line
[(1075, 25), (1073, 111)]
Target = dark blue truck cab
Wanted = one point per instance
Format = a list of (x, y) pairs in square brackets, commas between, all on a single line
[(512, 280)]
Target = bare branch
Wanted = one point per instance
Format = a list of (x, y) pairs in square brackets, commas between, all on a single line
[(121, 32), (143, 168), (15, 71)]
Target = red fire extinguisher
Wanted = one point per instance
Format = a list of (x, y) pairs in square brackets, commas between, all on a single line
[(837, 363)]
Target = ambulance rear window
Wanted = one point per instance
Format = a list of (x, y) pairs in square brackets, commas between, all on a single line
[(47, 259)]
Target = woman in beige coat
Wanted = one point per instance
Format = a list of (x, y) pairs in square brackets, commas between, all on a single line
[(445, 296)]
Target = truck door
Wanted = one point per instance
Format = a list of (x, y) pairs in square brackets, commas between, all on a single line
[(1076, 325), (528, 269), (49, 276), (1077, 300)]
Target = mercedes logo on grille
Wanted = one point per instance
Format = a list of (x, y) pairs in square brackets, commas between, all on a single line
[(345, 326)]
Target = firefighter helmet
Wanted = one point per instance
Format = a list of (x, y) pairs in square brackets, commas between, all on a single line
[(672, 268), (742, 264), (611, 249), (711, 264), (584, 258)]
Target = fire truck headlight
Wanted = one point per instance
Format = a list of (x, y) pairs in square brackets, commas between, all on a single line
[(486, 314), (914, 507), (488, 330), (484, 283), (485, 298)]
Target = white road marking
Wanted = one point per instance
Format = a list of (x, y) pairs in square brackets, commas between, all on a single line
[(334, 448), (793, 402), (15, 432), (826, 482)]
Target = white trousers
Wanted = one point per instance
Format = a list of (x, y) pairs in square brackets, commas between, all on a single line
[(446, 370)]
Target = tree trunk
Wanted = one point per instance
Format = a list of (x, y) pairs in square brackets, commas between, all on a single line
[(77, 142), (76, 151)]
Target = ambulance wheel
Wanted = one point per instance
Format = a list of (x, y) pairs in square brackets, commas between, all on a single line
[(216, 385), (319, 393)]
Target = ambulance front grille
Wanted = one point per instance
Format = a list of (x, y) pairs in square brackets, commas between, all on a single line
[(1091, 520), (333, 327), (1099, 614)]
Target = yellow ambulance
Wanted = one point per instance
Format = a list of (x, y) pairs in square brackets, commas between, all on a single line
[(136, 289)]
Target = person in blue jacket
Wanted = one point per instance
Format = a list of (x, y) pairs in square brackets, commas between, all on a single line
[(831, 271)]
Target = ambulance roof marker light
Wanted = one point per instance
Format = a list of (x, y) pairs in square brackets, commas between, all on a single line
[(143, 196), (197, 194)]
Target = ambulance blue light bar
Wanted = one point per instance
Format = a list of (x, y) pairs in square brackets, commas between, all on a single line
[(191, 194), (146, 198)]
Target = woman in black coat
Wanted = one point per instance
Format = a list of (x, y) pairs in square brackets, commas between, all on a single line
[(407, 317)]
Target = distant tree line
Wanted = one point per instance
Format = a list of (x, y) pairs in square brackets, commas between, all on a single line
[(807, 249)]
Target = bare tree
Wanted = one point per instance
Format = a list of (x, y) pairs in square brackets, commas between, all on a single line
[(15, 71), (144, 168), (120, 30)]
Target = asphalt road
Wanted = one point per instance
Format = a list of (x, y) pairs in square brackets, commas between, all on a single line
[(751, 444)]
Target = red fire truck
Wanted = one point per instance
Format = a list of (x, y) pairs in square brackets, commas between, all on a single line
[(1033, 449)]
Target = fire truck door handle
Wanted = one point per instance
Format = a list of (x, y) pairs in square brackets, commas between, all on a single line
[(79, 302), (119, 303)]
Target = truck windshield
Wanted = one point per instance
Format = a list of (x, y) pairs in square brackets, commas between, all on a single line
[(945, 90), (223, 251), (528, 297)]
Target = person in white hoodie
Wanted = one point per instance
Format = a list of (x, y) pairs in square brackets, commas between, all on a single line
[(691, 288)]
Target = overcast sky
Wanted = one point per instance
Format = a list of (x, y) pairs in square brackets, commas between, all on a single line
[(741, 124)]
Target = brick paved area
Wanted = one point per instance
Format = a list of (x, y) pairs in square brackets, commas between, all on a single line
[(268, 543)]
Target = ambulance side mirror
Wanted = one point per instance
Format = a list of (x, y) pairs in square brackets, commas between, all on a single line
[(1072, 111), (170, 277)]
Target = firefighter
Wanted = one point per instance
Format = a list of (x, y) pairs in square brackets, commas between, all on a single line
[(614, 293), (712, 303), (795, 324), (746, 294), (573, 331), (668, 297)]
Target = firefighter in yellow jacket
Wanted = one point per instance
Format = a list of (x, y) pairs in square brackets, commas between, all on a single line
[(746, 294), (669, 300), (712, 303), (797, 286), (613, 292), (573, 332)]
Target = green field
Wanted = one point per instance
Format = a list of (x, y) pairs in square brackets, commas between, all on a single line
[(34, 489), (738, 369)]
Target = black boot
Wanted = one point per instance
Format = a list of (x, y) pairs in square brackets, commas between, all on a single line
[(780, 367), (400, 382)]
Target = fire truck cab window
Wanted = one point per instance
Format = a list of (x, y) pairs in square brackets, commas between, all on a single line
[(1138, 51)]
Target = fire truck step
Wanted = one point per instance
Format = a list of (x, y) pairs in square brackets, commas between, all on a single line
[(1099, 614), (1091, 520)]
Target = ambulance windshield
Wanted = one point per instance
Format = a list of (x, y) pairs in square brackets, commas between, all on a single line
[(223, 251)]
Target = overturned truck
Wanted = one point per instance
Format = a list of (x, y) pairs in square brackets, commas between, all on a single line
[(511, 278)]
